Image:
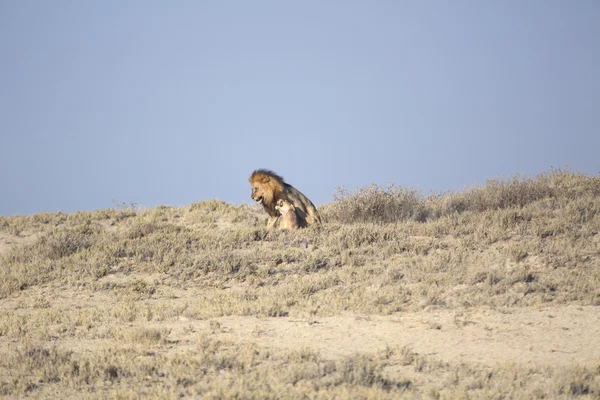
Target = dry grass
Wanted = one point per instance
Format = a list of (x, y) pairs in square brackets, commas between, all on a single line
[(122, 275)]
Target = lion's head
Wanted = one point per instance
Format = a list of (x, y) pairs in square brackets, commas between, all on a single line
[(267, 188)]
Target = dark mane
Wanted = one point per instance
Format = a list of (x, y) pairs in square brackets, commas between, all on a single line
[(266, 173)]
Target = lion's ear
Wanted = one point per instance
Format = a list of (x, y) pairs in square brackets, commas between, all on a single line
[(267, 179)]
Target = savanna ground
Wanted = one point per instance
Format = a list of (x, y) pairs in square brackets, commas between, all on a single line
[(493, 292)]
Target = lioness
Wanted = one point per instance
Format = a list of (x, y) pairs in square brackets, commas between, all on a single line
[(289, 218), (268, 188)]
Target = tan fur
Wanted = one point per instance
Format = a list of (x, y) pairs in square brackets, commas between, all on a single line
[(268, 188), (289, 218)]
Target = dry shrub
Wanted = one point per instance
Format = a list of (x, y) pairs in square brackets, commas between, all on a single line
[(374, 204), (63, 243), (578, 381), (146, 336), (497, 194), (517, 192)]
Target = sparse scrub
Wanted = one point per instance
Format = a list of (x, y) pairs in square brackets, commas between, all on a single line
[(63, 243), (375, 204), (130, 302), (392, 204), (146, 337)]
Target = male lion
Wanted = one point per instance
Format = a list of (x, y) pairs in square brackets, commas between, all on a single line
[(289, 216), (268, 187)]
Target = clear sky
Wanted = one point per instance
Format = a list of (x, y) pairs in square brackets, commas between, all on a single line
[(173, 102)]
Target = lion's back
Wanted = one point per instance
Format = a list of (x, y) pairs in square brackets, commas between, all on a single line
[(301, 202)]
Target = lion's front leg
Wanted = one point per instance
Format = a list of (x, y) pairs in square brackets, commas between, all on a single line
[(272, 221)]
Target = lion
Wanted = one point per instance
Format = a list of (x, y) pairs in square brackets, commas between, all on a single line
[(268, 188), (289, 218)]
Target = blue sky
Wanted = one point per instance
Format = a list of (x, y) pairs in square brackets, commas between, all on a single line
[(157, 102)]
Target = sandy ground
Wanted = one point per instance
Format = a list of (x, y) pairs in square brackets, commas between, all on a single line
[(8, 241), (549, 335), (553, 335), (545, 336)]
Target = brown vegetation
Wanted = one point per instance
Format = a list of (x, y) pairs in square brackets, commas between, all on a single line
[(203, 300)]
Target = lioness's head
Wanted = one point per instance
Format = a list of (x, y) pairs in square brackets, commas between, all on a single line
[(266, 187), (284, 206)]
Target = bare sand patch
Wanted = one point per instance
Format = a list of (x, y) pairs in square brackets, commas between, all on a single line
[(8, 241), (551, 335)]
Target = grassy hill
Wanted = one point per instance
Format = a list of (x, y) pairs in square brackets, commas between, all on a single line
[(492, 292)]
